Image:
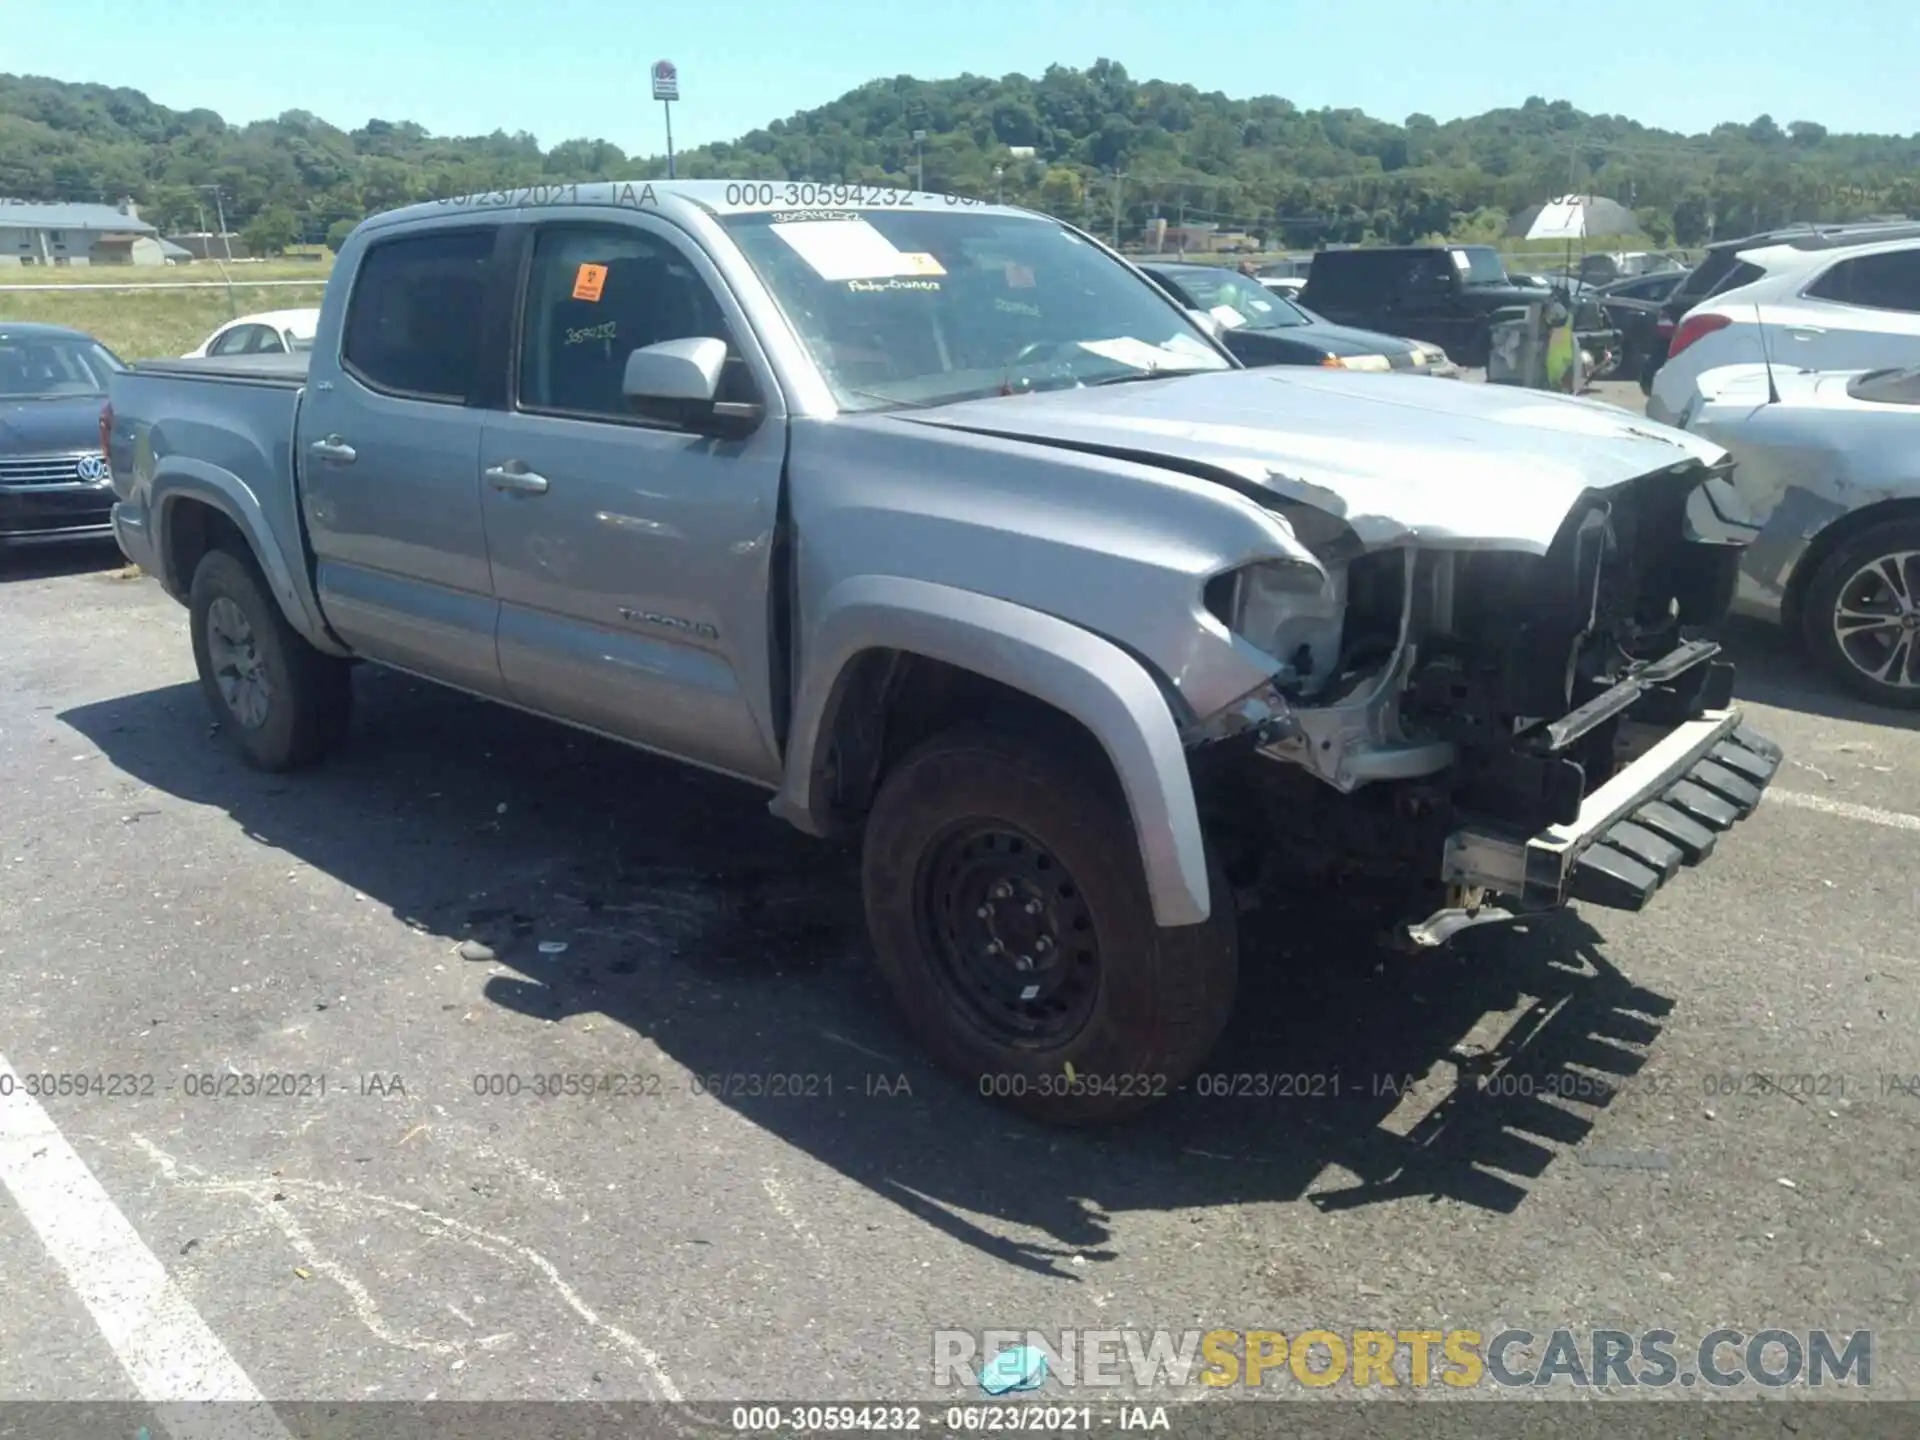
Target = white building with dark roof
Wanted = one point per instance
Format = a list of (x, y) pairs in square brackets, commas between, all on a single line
[(55, 233)]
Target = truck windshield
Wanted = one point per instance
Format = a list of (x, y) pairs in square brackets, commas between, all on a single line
[(1240, 303), (911, 307), (1482, 265), (40, 368)]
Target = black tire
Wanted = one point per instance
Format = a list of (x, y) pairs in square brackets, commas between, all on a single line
[(1837, 575), (308, 695), (1151, 1002)]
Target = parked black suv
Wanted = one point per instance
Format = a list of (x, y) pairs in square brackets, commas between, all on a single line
[(1441, 293), (1722, 269)]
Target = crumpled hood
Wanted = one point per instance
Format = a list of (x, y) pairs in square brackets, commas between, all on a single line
[(1397, 457)]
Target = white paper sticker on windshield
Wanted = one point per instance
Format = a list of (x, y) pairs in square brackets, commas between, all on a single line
[(1461, 260), (1188, 347), (1127, 351), (844, 249), (1227, 316)]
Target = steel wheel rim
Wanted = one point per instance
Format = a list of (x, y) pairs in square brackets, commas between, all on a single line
[(1876, 620), (1011, 937), (237, 667)]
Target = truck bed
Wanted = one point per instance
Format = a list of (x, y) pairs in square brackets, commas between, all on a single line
[(288, 371), (231, 422)]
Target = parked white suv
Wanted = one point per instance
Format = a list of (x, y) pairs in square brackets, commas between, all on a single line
[(1849, 308)]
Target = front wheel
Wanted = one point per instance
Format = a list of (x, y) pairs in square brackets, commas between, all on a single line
[(1861, 619), (281, 702), (1008, 910)]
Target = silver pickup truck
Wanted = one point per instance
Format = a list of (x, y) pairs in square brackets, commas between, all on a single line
[(942, 523)]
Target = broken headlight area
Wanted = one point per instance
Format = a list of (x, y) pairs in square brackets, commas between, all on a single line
[(1287, 609), (1493, 695)]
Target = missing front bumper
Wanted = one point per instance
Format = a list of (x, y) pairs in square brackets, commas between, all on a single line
[(1665, 810)]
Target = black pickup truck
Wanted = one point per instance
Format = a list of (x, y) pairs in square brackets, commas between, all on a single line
[(1442, 293)]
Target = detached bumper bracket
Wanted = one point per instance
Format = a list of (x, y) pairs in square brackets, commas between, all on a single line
[(1610, 877), (1705, 806), (1662, 812), (1695, 841)]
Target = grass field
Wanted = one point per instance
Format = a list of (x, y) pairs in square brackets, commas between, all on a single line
[(199, 272), (148, 323), (145, 324)]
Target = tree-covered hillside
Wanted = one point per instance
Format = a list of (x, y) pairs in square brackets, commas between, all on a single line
[(1094, 146)]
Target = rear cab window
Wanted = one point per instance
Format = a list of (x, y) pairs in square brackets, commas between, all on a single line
[(1889, 281), (414, 320)]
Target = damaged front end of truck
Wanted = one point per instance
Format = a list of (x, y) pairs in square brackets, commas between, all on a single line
[(1488, 729)]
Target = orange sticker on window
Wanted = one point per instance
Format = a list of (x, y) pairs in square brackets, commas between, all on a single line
[(589, 281), (918, 262)]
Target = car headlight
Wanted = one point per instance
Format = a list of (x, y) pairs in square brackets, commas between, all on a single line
[(1356, 362), (1288, 610)]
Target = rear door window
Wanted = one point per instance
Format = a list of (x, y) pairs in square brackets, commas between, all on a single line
[(414, 322), (1353, 274), (1427, 274), (1875, 282)]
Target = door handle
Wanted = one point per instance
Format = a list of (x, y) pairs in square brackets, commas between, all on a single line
[(513, 476), (1804, 332), (333, 448)]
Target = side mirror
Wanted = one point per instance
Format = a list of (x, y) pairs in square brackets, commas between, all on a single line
[(678, 381)]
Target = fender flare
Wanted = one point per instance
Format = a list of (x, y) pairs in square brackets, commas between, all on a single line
[(179, 477), (1070, 668)]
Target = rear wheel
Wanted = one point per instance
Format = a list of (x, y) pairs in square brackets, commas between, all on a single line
[(1008, 910), (1861, 618), (281, 702)]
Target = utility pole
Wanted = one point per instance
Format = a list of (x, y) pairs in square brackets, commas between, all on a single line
[(226, 245), (1119, 188), (919, 161), (220, 210), (999, 185)]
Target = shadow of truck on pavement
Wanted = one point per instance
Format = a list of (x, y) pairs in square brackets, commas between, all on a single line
[(737, 946)]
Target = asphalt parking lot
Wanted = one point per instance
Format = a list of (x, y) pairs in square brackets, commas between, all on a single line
[(420, 1230)]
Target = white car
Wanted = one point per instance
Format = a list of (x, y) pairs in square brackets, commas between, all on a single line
[(273, 332), (1287, 285), (1828, 464), (1854, 307)]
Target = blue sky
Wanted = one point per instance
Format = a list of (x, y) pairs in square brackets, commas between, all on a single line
[(565, 68)]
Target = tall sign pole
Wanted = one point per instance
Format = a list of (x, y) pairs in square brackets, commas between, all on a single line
[(666, 89)]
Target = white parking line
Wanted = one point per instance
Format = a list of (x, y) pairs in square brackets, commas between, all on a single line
[(158, 1337), (1846, 809)]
